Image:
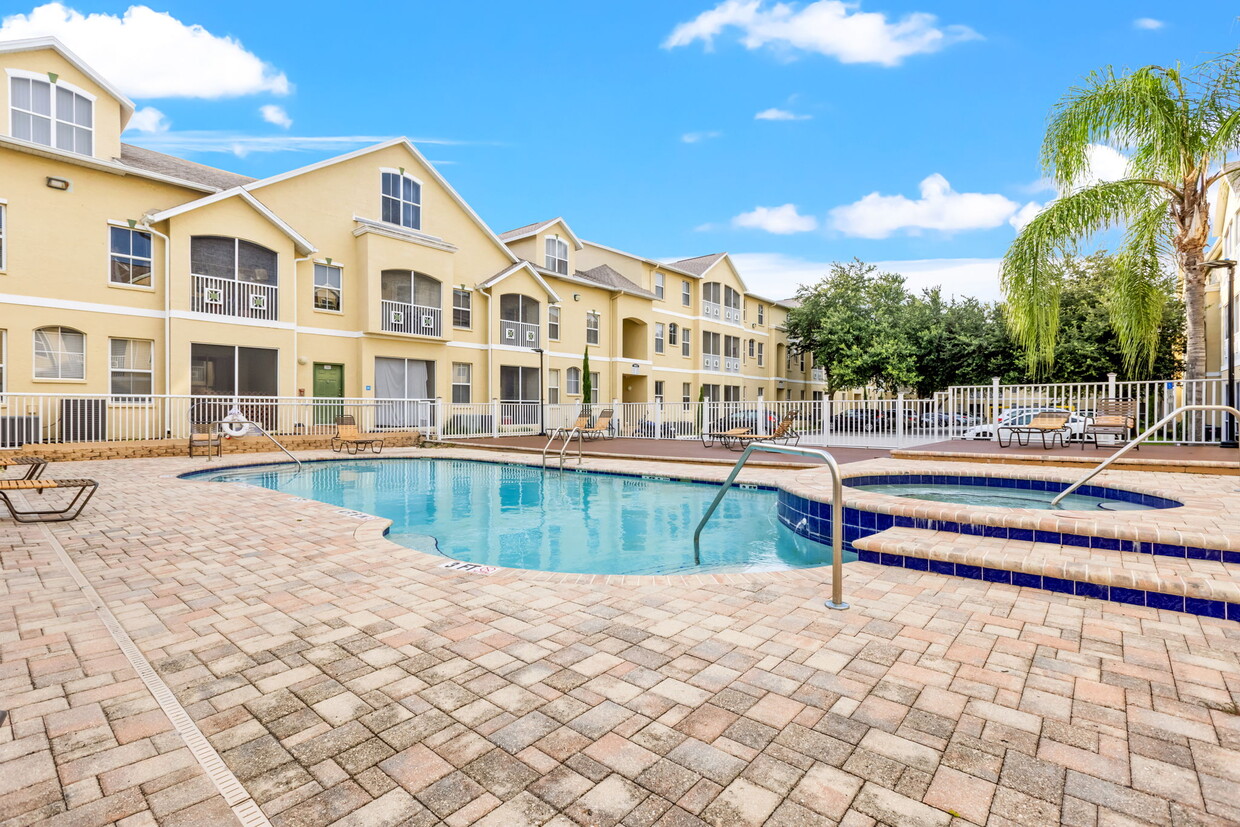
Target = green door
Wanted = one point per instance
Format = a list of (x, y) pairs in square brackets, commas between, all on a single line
[(328, 384)]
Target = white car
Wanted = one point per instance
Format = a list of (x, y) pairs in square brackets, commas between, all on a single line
[(1023, 416)]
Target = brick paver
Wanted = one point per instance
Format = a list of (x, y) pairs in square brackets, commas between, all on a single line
[(347, 680)]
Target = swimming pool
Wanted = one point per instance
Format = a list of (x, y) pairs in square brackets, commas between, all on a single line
[(518, 516), (1003, 492)]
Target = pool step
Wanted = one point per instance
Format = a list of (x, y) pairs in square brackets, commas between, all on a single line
[(1203, 587)]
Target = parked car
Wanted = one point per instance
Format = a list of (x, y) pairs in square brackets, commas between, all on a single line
[(1076, 424), (861, 419), (669, 430)]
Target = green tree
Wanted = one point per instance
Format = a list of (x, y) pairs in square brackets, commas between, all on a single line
[(1177, 129), (854, 322), (587, 384)]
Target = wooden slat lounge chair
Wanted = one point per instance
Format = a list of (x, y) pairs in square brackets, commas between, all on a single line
[(350, 439), (581, 424), (709, 438), (85, 490), (204, 436), (1115, 417), (783, 433), (601, 429), (1052, 424), (37, 464)]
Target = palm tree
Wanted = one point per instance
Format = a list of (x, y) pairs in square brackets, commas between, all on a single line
[(1177, 129)]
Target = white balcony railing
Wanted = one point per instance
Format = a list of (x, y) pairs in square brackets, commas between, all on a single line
[(415, 319), (731, 364), (732, 314), (711, 310), (518, 334), (241, 299), (711, 361)]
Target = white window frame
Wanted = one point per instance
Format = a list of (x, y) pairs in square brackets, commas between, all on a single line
[(658, 286), (659, 387), (753, 348), (4, 235), (762, 315), (468, 384), (467, 308), (686, 392), (113, 370), (400, 199), (686, 294), (572, 385), (672, 331), (592, 330), (761, 348), (596, 379), (129, 257), (553, 322), (54, 115), (339, 291), (686, 336), (34, 362), (553, 386), (659, 337), (552, 260)]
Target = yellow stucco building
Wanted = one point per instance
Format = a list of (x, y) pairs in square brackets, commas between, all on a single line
[(126, 272)]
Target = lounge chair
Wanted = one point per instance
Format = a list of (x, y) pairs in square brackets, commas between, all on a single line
[(783, 433), (37, 464), (205, 436), (85, 490), (581, 424), (601, 429), (1052, 424), (350, 439), (1116, 417), (709, 438)]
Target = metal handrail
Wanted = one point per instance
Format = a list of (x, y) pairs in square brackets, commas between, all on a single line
[(1137, 441), (262, 431), (568, 439), (837, 512)]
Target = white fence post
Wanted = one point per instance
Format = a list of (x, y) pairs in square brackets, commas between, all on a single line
[(438, 422), (1111, 385), (825, 413), (494, 418), (994, 403), (899, 419), (658, 420), (762, 416)]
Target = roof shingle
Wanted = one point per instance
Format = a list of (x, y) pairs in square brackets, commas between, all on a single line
[(157, 162)]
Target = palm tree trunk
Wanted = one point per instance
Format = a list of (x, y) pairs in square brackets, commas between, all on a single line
[(1195, 315)]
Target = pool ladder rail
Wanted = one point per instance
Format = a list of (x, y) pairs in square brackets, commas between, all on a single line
[(837, 511), (1135, 441), (568, 440), (262, 431)]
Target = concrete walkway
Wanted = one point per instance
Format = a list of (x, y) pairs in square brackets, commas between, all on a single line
[(345, 680)]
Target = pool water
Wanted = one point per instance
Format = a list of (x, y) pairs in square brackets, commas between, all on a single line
[(518, 516), (1000, 497)]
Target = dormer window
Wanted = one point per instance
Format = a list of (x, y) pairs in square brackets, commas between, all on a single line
[(402, 200), (557, 256), (51, 114)]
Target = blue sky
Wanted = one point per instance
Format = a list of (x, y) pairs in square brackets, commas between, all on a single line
[(639, 122)]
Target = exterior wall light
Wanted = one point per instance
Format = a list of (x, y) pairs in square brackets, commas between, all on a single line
[(58, 183)]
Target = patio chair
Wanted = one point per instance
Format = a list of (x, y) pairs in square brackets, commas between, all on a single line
[(85, 490), (37, 464), (709, 438), (205, 436), (1052, 424), (784, 433), (1116, 417), (601, 429), (350, 439), (581, 424)]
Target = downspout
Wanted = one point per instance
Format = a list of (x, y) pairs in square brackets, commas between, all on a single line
[(490, 385), (145, 224), (617, 351), (296, 261)]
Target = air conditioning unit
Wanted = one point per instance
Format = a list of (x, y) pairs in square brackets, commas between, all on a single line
[(16, 431), (83, 420)]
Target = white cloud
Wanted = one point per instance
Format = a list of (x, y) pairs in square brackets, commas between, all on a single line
[(1148, 23), (778, 220), (778, 276), (829, 27), (939, 208), (774, 114), (150, 54), (276, 115), (1103, 164), (1025, 214), (148, 119), (698, 137), (242, 145)]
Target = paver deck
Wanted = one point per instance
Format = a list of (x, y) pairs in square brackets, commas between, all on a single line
[(347, 680)]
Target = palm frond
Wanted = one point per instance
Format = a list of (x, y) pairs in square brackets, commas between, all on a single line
[(1135, 297), (1030, 274)]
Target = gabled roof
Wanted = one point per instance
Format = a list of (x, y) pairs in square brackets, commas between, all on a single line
[(698, 266), (304, 247), (35, 44), (421, 159), (151, 161), (521, 264), (609, 278), (662, 265), (537, 227)]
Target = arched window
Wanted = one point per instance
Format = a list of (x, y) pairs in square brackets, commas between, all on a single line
[(411, 302), (401, 200), (59, 353), (557, 256), (222, 257)]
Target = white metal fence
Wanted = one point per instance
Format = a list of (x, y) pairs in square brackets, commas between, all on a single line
[(967, 411)]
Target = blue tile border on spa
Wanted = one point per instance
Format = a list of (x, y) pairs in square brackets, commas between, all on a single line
[(1052, 486)]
